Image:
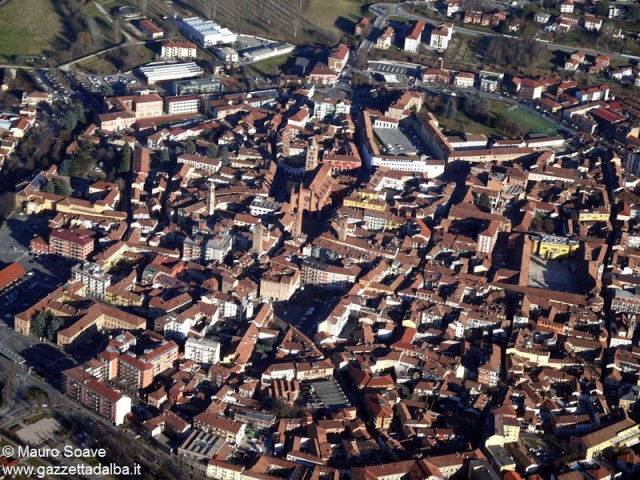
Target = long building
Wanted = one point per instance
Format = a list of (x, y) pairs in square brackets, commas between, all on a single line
[(162, 71), (206, 32), (101, 399)]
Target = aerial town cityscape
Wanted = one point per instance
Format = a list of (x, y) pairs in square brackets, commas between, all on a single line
[(320, 239)]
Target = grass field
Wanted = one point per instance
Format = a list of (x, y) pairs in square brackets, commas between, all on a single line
[(29, 27), (470, 125), (269, 66), (340, 17), (518, 115), (109, 63), (528, 120)]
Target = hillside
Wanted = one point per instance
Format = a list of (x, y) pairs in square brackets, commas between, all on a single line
[(299, 21)]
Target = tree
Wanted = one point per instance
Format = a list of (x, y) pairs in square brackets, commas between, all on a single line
[(124, 166), (212, 150), (602, 9), (190, 147), (54, 325), (450, 108), (143, 7), (224, 156), (116, 31), (61, 187), (65, 167), (70, 119), (43, 163), (164, 155), (78, 109), (39, 323), (474, 105), (8, 387), (7, 203), (94, 31), (484, 201), (549, 225), (632, 12), (49, 187), (106, 90), (513, 52)]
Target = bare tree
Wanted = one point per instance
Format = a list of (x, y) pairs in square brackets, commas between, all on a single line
[(298, 19), (94, 31), (116, 30), (8, 388), (142, 6)]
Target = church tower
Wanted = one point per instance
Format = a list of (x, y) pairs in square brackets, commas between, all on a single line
[(297, 225), (211, 197), (312, 156), (258, 233), (343, 228)]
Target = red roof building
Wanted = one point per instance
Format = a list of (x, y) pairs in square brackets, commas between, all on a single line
[(10, 274)]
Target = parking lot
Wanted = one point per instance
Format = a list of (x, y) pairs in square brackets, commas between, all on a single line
[(44, 272), (543, 451), (402, 141)]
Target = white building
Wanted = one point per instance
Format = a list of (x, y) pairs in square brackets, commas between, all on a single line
[(464, 80), (441, 36), (173, 50), (160, 71), (93, 277), (566, 6), (423, 164), (330, 107), (206, 32), (182, 105), (227, 54), (268, 51), (202, 350), (412, 41)]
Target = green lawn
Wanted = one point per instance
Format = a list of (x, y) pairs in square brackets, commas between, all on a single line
[(528, 120), (112, 62), (29, 27), (337, 16), (269, 66), (470, 125)]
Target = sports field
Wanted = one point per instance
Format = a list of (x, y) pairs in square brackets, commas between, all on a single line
[(528, 120), (29, 27)]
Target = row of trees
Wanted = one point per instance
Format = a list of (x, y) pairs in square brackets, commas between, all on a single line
[(59, 187), (472, 104)]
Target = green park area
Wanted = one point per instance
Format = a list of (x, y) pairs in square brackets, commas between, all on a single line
[(338, 18), (531, 122), (269, 66), (490, 118), (30, 27)]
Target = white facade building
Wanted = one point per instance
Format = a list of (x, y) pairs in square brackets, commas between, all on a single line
[(172, 50), (206, 32), (93, 277), (202, 350), (182, 105), (441, 36), (330, 107), (160, 71)]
